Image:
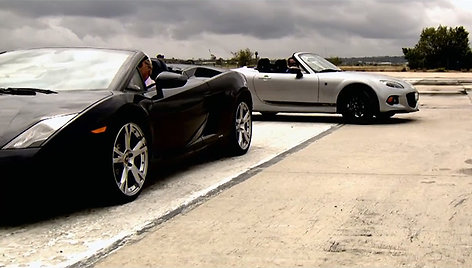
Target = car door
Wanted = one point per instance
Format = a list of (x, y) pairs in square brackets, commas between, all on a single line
[(286, 88), (179, 118)]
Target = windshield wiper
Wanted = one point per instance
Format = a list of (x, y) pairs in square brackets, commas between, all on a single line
[(25, 91)]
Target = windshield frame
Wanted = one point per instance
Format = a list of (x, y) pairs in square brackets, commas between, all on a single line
[(316, 63)]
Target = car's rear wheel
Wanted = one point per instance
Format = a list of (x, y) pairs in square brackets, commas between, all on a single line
[(130, 160), (357, 108), (241, 133)]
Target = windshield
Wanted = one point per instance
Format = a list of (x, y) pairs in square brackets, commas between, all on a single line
[(318, 63), (60, 68)]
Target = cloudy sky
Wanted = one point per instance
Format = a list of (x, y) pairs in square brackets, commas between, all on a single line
[(189, 29)]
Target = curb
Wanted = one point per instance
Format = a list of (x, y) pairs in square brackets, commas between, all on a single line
[(437, 92), (440, 82)]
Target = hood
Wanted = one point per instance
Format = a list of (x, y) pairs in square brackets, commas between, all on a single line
[(19, 112), (366, 77), (371, 76)]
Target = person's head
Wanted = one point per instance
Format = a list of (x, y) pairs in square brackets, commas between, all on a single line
[(291, 62), (145, 68)]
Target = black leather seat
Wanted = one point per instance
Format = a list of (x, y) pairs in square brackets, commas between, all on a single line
[(264, 65), (281, 66)]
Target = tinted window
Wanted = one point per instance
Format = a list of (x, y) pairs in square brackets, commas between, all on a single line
[(136, 82)]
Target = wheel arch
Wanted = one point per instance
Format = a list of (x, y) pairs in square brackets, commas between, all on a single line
[(136, 114), (246, 94), (354, 88)]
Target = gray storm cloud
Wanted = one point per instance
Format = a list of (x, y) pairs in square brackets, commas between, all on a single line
[(189, 28)]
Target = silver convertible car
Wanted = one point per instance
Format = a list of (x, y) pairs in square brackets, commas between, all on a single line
[(316, 85)]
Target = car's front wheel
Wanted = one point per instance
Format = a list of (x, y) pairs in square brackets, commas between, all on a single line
[(241, 133), (130, 161), (269, 115), (357, 108)]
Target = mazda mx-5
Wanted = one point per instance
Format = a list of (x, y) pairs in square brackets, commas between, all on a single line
[(314, 84)]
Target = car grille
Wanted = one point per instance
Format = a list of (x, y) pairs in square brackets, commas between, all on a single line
[(411, 98)]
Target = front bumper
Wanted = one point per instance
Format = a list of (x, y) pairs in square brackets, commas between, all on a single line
[(17, 163), (31, 173), (404, 103)]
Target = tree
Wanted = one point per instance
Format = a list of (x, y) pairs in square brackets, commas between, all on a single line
[(440, 48), (335, 60), (243, 57)]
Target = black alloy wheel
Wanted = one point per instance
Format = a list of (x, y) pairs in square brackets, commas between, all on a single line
[(357, 108)]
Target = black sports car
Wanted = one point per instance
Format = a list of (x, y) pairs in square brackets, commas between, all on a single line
[(84, 117)]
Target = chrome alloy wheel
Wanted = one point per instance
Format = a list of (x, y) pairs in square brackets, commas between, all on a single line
[(243, 125), (130, 159)]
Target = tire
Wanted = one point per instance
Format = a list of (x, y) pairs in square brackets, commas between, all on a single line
[(357, 108), (241, 131), (269, 115), (130, 161)]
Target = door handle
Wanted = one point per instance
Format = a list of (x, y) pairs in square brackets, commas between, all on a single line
[(265, 77)]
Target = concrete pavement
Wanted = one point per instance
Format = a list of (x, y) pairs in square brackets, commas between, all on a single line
[(390, 194)]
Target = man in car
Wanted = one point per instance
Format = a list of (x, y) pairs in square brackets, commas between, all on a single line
[(292, 64), (293, 67), (145, 69)]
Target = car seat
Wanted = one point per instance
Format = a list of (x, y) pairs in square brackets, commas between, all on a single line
[(264, 65), (281, 66)]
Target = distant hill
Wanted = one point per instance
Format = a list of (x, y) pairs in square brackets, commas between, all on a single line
[(350, 63), (379, 60)]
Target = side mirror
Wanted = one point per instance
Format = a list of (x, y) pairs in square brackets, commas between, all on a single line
[(170, 80)]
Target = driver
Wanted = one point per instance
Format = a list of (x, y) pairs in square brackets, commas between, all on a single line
[(292, 64), (145, 69)]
